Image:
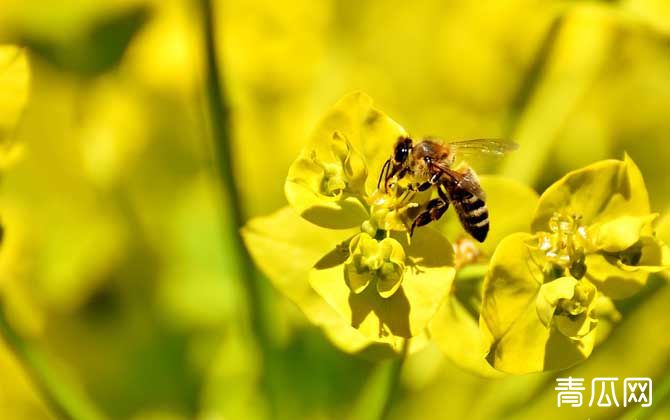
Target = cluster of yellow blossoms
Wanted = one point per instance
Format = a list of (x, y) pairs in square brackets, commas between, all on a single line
[(552, 265)]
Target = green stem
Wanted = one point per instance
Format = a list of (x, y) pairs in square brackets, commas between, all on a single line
[(381, 389), (65, 399), (220, 121), (394, 381), (520, 126), (468, 287), (531, 79), (471, 273)]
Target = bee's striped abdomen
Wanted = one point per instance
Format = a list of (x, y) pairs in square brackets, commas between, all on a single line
[(472, 212)]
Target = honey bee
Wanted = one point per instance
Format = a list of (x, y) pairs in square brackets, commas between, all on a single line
[(430, 163)]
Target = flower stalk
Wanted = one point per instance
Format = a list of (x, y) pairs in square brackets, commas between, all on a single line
[(219, 119), (62, 396), (394, 382), (380, 390)]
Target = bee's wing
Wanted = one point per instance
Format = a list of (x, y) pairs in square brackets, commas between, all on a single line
[(466, 179), (495, 147), (469, 201), (470, 182), (483, 153)]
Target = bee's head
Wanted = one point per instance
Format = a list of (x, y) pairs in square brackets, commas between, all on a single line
[(396, 165), (401, 151)]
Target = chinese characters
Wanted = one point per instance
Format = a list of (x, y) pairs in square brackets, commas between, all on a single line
[(604, 392)]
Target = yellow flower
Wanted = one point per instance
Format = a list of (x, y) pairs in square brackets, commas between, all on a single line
[(596, 222), (569, 303), (545, 292), (455, 328), (352, 269), (382, 262)]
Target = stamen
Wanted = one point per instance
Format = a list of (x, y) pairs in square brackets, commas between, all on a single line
[(565, 242)]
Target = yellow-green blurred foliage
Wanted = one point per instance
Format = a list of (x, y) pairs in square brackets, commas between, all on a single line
[(117, 244)]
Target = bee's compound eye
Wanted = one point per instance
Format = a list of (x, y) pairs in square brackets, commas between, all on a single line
[(427, 159), (401, 152)]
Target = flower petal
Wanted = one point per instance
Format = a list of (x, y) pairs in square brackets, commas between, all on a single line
[(352, 137), (577, 326), (14, 81), (599, 192), (607, 315), (511, 283), (550, 294), (285, 247), (356, 280), (457, 334), (391, 273), (389, 281), (406, 312), (654, 256), (306, 190), (605, 272), (517, 339), (620, 233)]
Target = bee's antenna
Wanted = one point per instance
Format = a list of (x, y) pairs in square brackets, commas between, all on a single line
[(383, 173)]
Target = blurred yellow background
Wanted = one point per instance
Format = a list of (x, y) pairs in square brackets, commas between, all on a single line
[(117, 258)]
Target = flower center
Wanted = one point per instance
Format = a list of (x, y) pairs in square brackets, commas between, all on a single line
[(371, 260), (564, 244), (333, 181), (573, 316), (389, 210), (335, 171)]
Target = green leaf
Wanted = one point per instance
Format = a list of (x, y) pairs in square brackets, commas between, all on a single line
[(404, 314), (97, 50), (517, 338), (599, 192), (328, 181)]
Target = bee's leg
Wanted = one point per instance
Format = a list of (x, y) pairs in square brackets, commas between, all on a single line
[(419, 187), (402, 173), (442, 192), (434, 210), (424, 186), (435, 178)]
